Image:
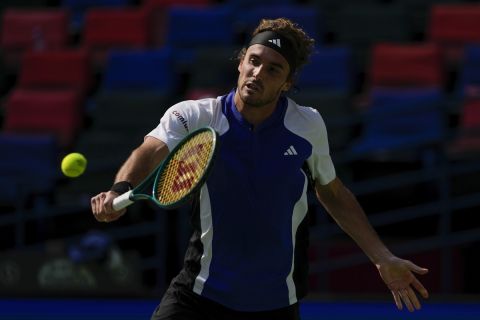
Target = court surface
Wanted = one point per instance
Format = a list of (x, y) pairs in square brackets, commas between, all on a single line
[(55, 309)]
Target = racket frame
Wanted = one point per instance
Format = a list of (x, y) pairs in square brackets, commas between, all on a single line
[(202, 179), (129, 197)]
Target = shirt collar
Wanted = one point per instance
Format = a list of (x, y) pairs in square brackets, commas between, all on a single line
[(275, 117)]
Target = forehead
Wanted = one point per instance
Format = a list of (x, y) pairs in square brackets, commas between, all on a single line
[(267, 54)]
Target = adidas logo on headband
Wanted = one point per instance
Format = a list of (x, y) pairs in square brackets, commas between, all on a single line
[(276, 42), (279, 43)]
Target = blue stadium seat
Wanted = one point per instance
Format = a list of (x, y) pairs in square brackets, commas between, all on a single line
[(306, 17), (192, 28), (401, 120), (468, 84), (140, 70), (29, 167), (329, 68)]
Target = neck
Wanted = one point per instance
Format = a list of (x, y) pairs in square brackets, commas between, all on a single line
[(255, 115)]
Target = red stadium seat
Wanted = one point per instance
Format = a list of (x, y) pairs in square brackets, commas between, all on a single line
[(54, 112), (106, 29), (56, 70), (452, 26), (38, 29), (406, 65)]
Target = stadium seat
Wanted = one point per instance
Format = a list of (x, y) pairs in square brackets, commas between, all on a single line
[(28, 168), (329, 68), (468, 84), (56, 112), (191, 28), (407, 120), (362, 25), (107, 29), (158, 12), (306, 17), (406, 65), (58, 69), (78, 8), (467, 140), (140, 71), (206, 81), (419, 14), (28, 29), (452, 26), (199, 27)]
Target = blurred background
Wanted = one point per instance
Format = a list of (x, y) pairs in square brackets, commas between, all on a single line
[(397, 82)]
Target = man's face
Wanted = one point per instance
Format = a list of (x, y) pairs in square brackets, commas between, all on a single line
[(263, 76)]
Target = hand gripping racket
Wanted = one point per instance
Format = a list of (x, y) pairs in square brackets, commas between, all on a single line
[(180, 175)]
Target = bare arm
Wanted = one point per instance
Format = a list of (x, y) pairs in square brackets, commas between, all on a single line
[(397, 274), (141, 162)]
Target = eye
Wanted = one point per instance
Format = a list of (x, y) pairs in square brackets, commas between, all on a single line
[(254, 61), (274, 70)]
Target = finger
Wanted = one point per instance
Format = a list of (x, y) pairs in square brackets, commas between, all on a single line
[(397, 299), (97, 204), (414, 299), (406, 300), (420, 288), (97, 209), (93, 203), (416, 268)]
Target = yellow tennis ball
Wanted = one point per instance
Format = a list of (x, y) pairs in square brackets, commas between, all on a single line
[(74, 164)]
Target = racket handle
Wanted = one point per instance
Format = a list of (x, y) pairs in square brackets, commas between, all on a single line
[(122, 201)]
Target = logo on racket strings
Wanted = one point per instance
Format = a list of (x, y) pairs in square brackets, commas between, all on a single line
[(188, 169)]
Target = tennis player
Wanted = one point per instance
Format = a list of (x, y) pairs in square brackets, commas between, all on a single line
[(247, 257)]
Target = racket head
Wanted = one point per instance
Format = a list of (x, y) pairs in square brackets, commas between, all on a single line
[(186, 168)]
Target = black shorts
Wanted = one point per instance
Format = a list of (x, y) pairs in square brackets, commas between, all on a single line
[(183, 304)]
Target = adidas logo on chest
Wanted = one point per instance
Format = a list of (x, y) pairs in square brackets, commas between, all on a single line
[(290, 151)]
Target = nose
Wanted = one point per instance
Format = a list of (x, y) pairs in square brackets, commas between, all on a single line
[(257, 71)]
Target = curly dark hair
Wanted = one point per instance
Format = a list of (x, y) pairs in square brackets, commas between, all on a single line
[(302, 43)]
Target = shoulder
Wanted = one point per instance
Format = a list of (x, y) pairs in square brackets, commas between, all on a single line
[(191, 107), (193, 113), (304, 119)]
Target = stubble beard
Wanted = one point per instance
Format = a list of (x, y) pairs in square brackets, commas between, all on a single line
[(252, 102)]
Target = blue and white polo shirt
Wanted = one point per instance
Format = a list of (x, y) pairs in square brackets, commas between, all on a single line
[(248, 251)]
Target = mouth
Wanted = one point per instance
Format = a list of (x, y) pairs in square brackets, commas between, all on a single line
[(254, 86)]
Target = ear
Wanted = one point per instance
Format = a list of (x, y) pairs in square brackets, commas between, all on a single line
[(240, 63), (287, 85)]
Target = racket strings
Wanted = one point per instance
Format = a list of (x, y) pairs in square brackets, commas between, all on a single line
[(185, 169)]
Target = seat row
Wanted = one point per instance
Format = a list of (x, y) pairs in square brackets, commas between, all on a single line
[(67, 77), (158, 23)]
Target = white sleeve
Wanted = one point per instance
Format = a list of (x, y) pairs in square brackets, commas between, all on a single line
[(308, 123), (182, 119), (320, 162)]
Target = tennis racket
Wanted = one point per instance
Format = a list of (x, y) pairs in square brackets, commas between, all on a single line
[(180, 175)]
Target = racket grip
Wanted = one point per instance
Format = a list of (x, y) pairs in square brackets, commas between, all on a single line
[(122, 201)]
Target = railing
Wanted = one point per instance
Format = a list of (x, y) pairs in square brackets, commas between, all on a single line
[(444, 206)]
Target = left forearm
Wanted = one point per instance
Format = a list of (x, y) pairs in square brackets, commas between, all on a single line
[(344, 208)]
